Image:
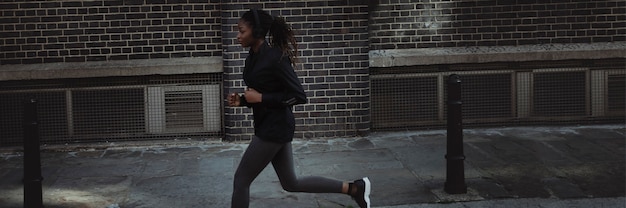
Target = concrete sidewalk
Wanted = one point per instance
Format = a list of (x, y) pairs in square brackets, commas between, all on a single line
[(570, 166)]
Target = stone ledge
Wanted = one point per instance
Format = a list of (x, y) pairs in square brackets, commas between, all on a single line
[(111, 68), (456, 55)]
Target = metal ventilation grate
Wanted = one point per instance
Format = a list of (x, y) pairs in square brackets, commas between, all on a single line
[(403, 100), (499, 93), (415, 100), (559, 93), (51, 115), (108, 112), (486, 96), (183, 110), (115, 108), (616, 95)]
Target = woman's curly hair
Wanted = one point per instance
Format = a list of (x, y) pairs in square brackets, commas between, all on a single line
[(281, 33)]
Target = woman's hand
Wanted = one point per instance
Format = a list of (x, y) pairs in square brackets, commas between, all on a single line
[(233, 100), (253, 96)]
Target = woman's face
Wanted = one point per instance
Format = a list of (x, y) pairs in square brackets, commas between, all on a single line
[(245, 37)]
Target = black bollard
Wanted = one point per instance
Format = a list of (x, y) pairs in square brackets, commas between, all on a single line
[(455, 174), (32, 159)]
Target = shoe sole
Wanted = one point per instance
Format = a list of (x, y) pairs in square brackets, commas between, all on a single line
[(368, 187)]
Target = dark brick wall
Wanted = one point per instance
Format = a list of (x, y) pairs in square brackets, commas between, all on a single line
[(402, 24), (333, 42), (335, 37), (81, 31)]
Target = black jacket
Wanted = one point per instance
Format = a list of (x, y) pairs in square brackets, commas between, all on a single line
[(271, 74)]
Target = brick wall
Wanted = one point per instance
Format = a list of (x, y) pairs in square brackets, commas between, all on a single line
[(402, 24), (332, 35), (81, 31), (333, 44), (335, 37)]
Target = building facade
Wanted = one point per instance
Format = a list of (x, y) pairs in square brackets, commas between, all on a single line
[(108, 70)]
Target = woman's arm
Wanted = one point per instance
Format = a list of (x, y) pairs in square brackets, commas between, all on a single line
[(292, 94)]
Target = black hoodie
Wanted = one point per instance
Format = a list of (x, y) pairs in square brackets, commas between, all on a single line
[(270, 73)]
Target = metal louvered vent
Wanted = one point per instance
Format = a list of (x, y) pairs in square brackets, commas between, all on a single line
[(191, 108), (183, 109), (559, 93), (616, 93)]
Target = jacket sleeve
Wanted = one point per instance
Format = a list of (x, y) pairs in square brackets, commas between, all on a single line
[(243, 101), (293, 92)]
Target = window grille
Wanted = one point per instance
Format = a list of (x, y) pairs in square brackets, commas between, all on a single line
[(403, 98), (486, 96), (399, 101), (115, 109), (616, 93), (560, 93), (416, 100), (52, 112), (96, 112)]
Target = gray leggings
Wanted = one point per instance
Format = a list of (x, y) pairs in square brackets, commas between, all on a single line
[(258, 155)]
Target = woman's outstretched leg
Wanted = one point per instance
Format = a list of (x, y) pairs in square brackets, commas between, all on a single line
[(283, 165), (258, 154), (359, 190)]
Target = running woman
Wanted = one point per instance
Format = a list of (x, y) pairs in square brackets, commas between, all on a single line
[(273, 88)]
